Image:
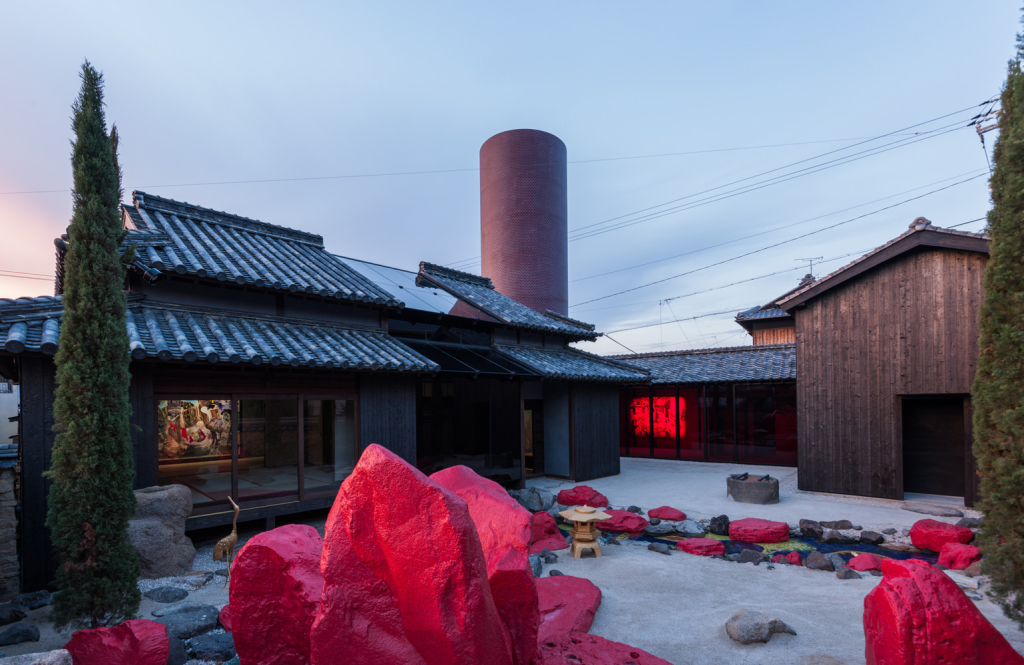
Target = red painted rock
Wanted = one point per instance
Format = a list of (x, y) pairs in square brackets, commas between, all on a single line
[(405, 577), (545, 534), (587, 649), (567, 605), (958, 556), (702, 546), (755, 530), (918, 616), (275, 594), (667, 513), (623, 521), (504, 528), (136, 642), (933, 534), (793, 559), (225, 618), (865, 561), (582, 495)]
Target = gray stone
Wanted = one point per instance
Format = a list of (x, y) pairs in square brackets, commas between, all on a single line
[(635, 510), (233, 661), (535, 565), (555, 572), (690, 528), (719, 525), (733, 557), (166, 594), (871, 537), (215, 647), (158, 530), (810, 529), (18, 633), (838, 525), (941, 567), (970, 522), (662, 529), (660, 548), (753, 491), (187, 625), (900, 547), (837, 560), (534, 499), (748, 626), (889, 532), (12, 612), (973, 570), (196, 580), (833, 537), (750, 556), (182, 607), (845, 573), (818, 561), (876, 573), (178, 654), (929, 509), (547, 556), (58, 657), (654, 520), (221, 572), (33, 600)]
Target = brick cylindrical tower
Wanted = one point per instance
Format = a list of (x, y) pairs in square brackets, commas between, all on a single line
[(524, 233)]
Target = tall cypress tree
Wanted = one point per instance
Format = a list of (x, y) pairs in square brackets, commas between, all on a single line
[(91, 499), (999, 386)]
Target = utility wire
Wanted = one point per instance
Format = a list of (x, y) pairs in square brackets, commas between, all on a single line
[(762, 249), (12, 275)]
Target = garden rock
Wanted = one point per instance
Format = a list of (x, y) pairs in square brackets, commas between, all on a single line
[(215, 646), (653, 520), (917, 616), (748, 626), (690, 528), (545, 534), (10, 613), (667, 513), (958, 556), (970, 522), (837, 560), (555, 573), (183, 606), (662, 529), (818, 561), (567, 605), (178, 655), (623, 521), (864, 562), (158, 530), (136, 642), (660, 548), (187, 625), (18, 633), (702, 546), (578, 648), (928, 509), (973, 570), (719, 525), (833, 537), (33, 600), (889, 532), (810, 529), (536, 565), (900, 547), (166, 594), (504, 531), (932, 534), (845, 573), (635, 510), (58, 657), (755, 530), (838, 525), (750, 556), (871, 537), (582, 495), (792, 559), (535, 499)]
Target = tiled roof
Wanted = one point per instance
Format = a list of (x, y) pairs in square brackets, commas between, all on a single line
[(573, 364), (480, 292), (768, 362), (191, 240), (765, 312), (194, 334), (919, 225)]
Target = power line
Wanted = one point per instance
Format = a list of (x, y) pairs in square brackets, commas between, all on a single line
[(980, 219), (756, 251), (4, 273), (619, 343)]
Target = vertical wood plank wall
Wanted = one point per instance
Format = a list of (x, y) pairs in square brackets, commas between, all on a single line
[(143, 436), (596, 423), (908, 327), (774, 336), (387, 413)]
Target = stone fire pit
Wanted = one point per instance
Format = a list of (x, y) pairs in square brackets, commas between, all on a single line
[(752, 488)]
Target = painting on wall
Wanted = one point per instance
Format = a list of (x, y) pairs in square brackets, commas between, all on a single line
[(193, 429)]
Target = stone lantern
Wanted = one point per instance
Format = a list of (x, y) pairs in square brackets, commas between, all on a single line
[(584, 531)]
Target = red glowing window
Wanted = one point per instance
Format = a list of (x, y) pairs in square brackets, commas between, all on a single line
[(665, 409)]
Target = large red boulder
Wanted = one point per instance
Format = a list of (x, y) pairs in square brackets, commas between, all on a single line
[(582, 495), (865, 561), (933, 534), (667, 513), (136, 642), (623, 521), (405, 577), (958, 556), (918, 616), (756, 530), (504, 528), (586, 649), (701, 546), (275, 594), (567, 605), (545, 534)]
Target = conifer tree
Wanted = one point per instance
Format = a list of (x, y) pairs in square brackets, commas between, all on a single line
[(998, 392), (91, 498)]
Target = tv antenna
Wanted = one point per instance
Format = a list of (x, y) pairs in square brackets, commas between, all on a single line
[(810, 263)]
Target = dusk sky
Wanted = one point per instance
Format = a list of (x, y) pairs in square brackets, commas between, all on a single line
[(695, 95)]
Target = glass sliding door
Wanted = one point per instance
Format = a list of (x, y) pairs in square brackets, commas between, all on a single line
[(193, 441), (720, 430), (638, 416), (268, 448), (330, 443), (766, 423)]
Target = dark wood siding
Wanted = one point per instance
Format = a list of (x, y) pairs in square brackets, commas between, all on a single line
[(595, 410), (38, 380), (907, 327), (143, 423), (387, 413)]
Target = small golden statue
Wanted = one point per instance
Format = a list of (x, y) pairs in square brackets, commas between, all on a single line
[(584, 533), (225, 547)]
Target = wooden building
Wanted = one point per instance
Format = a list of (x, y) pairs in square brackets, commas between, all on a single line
[(262, 364), (886, 351)]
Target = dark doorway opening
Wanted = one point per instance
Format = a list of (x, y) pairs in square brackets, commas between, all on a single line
[(934, 446), (533, 422)]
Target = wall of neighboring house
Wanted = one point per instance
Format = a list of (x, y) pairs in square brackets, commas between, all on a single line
[(8, 409), (908, 327), (786, 335)]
